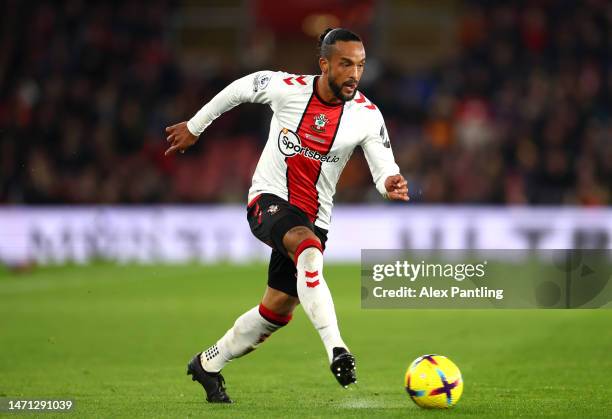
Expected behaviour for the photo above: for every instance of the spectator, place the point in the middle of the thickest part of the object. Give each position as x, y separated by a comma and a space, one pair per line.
521, 115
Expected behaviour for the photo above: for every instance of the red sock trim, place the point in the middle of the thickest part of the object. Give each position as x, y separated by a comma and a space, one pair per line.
272, 317
305, 244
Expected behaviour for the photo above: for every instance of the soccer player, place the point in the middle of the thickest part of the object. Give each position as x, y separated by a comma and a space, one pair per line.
317, 123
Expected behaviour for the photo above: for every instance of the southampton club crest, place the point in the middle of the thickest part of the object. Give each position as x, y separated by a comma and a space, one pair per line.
272, 209
319, 123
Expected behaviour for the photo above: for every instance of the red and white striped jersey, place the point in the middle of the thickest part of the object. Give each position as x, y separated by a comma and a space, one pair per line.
310, 140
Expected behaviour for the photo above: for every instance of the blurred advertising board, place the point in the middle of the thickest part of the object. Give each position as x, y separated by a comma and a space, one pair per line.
208, 234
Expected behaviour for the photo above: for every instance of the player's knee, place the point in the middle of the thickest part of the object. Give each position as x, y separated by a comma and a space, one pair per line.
298, 236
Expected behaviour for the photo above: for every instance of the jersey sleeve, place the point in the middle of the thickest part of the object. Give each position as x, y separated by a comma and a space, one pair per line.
377, 149
260, 87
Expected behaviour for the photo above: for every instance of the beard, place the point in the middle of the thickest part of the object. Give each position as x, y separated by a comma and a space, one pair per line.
337, 90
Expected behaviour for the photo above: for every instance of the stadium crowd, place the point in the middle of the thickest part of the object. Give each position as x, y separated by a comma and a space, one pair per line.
519, 114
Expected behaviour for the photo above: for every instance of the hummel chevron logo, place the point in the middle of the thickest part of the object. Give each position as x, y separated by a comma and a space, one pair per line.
300, 80
362, 99
312, 274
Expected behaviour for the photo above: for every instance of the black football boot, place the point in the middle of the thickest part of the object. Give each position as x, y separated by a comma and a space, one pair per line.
343, 367
213, 383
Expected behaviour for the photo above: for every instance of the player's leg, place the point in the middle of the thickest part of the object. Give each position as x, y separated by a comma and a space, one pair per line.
248, 332
279, 302
306, 249
288, 230
254, 326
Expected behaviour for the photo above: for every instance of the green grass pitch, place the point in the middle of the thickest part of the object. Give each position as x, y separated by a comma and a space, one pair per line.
116, 339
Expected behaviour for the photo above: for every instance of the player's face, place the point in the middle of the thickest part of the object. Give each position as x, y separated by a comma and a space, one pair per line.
345, 68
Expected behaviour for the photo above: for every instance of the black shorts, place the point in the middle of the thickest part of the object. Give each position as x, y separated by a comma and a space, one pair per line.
270, 218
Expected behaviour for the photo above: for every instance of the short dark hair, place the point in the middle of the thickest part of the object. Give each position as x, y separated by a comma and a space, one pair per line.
330, 36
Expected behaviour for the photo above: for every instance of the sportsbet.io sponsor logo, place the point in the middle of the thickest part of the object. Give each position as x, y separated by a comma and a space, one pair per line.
289, 144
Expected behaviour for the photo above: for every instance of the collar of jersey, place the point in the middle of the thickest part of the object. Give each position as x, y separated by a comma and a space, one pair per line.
316, 93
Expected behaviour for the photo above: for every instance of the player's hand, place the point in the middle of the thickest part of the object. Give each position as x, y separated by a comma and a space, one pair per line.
179, 137
397, 188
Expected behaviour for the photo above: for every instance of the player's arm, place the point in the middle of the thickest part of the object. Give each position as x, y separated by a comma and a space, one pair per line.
258, 87
385, 172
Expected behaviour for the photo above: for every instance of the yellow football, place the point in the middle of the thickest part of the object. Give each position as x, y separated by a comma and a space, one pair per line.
434, 381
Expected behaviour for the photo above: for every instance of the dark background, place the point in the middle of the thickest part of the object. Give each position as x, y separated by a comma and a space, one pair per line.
486, 102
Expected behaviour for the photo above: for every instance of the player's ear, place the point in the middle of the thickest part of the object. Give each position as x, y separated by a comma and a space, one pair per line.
323, 65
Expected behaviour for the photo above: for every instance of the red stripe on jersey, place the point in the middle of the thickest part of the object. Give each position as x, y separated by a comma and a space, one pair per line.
303, 172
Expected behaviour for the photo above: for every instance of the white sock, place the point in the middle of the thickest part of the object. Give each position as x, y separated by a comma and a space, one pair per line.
316, 299
249, 330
